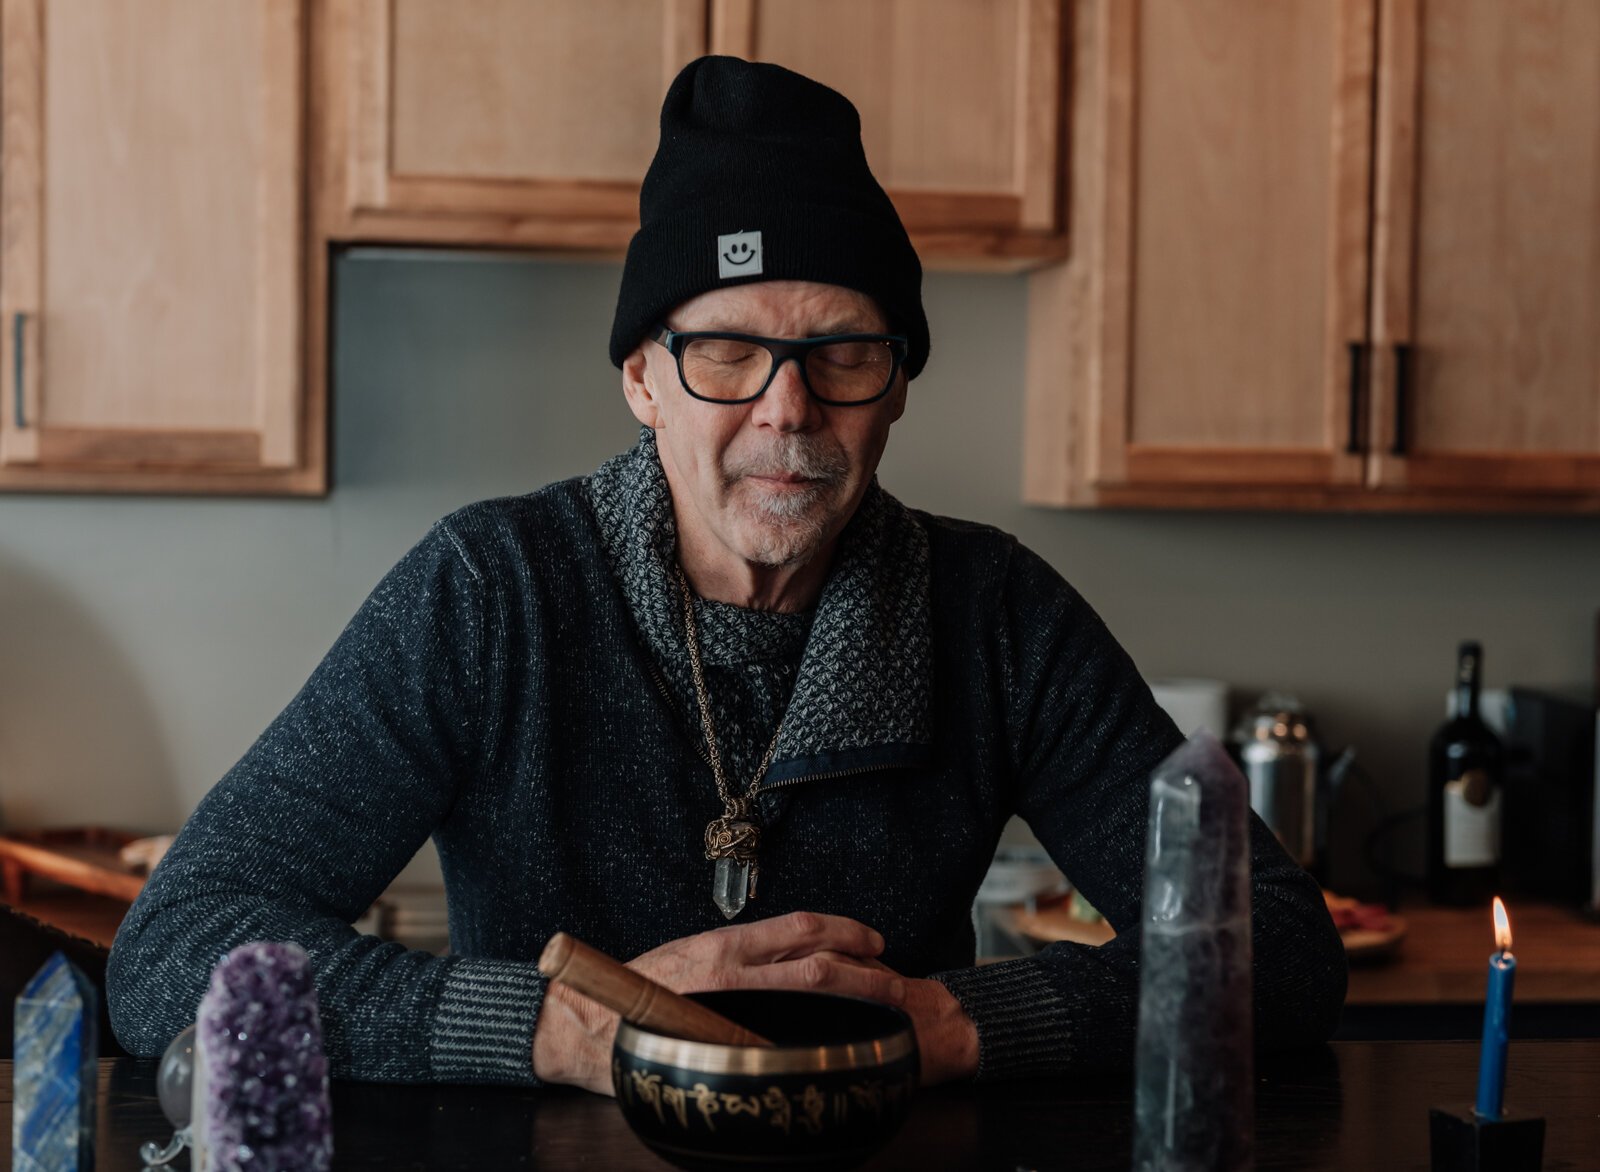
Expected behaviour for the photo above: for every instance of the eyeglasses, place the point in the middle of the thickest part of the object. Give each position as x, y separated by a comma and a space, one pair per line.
848, 370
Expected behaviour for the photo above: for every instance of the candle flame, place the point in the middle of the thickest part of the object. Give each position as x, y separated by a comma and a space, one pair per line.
1502, 926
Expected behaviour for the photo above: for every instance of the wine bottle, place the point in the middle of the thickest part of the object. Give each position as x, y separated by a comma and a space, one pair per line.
1466, 783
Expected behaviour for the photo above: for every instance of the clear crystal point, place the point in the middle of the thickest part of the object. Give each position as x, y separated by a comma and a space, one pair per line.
730, 888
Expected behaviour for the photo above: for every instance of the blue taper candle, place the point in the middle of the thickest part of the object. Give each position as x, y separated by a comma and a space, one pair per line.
1496, 1019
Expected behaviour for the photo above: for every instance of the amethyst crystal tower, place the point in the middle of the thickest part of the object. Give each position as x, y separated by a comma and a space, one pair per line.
1193, 1094
261, 1080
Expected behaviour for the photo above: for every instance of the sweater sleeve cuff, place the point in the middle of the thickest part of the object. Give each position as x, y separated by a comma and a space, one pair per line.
484, 1021
1024, 1024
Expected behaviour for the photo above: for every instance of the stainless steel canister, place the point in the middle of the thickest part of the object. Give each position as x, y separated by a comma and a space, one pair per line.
1280, 756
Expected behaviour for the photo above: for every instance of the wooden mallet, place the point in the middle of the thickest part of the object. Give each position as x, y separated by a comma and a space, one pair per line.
636, 997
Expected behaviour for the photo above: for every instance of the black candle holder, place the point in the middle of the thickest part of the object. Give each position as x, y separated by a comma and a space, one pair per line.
1464, 1141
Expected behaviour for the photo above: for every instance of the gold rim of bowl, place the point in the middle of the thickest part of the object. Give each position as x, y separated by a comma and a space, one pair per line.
711, 1058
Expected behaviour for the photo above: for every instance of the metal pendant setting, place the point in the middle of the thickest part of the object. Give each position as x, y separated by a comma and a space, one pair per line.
733, 841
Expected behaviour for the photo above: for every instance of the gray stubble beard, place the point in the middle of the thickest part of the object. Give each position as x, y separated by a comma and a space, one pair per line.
799, 518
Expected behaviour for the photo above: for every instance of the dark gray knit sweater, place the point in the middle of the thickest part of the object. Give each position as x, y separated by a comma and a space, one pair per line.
512, 689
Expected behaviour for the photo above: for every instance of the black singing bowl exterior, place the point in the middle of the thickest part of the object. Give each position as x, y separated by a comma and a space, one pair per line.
837, 1085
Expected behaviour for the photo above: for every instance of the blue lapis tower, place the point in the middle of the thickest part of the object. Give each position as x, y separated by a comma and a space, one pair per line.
54, 1079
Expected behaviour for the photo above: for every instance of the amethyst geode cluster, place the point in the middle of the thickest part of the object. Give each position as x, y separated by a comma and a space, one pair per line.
265, 1103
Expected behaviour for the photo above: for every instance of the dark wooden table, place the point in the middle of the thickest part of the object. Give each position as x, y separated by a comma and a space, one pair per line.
1352, 1105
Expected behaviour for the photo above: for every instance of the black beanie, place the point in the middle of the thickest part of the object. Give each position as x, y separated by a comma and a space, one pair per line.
760, 176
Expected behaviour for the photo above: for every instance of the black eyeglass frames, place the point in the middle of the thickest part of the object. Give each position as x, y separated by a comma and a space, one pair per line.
848, 370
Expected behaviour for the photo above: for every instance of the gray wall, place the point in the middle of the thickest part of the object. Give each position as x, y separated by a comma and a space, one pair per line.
145, 642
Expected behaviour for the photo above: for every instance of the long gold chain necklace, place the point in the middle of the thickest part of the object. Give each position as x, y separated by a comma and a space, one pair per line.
734, 839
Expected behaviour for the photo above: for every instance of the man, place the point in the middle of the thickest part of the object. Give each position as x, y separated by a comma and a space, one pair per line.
725, 677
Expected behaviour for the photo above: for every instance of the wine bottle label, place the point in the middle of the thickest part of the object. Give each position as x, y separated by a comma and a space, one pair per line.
1471, 821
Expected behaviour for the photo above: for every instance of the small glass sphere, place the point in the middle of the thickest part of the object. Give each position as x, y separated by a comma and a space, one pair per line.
175, 1079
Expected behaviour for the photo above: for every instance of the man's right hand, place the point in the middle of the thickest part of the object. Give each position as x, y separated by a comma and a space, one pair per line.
802, 950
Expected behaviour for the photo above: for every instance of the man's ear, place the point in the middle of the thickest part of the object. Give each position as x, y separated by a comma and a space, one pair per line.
897, 397
637, 389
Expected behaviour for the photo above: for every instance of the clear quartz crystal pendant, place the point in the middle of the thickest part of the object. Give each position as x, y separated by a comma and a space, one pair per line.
732, 841
730, 887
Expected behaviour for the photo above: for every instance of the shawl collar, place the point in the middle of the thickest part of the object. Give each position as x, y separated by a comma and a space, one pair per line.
862, 695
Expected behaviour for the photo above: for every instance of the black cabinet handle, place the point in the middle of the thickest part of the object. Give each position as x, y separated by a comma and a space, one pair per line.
19, 322
1352, 443
1402, 393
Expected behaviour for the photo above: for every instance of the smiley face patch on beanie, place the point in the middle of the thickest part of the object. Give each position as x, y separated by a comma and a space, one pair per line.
738, 254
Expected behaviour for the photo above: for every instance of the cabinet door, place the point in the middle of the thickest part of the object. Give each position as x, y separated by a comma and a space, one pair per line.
151, 291
962, 106
1231, 276
513, 122
1487, 298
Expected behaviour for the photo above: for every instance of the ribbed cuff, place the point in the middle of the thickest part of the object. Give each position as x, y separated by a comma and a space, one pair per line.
1024, 1025
483, 1025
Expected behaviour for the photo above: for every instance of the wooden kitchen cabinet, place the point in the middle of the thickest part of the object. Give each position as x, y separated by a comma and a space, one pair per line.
1232, 166
1340, 254
151, 279
962, 107
1486, 312
511, 124
532, 125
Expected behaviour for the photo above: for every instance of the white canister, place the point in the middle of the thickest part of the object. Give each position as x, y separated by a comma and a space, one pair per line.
1194, 704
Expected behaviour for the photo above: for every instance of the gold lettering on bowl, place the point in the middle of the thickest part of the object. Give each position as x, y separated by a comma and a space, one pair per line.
678, 1099
869, 1094
778, 1103
812, 1105
741, 1104
706, 1100
649, 1088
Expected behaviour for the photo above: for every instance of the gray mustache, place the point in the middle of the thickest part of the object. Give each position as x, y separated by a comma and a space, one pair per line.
795, 455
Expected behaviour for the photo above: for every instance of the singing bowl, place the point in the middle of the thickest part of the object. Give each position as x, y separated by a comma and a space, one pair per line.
833, 1089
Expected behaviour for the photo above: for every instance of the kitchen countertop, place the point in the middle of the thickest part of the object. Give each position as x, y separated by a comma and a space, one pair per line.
1443, 959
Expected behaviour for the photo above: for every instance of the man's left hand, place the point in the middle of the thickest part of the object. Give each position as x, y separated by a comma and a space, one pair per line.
946, 1036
